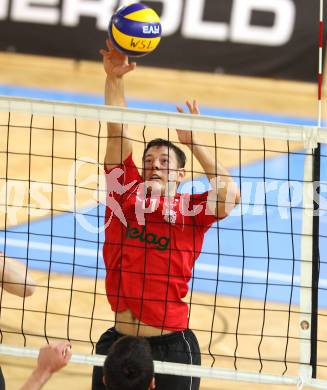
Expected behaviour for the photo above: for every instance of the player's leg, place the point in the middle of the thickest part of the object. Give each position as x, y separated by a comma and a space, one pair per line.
179, 347
102, 348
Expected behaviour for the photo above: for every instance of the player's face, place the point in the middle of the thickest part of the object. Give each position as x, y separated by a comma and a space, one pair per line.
160, 169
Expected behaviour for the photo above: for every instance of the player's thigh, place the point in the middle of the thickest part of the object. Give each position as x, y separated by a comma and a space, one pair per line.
181, 347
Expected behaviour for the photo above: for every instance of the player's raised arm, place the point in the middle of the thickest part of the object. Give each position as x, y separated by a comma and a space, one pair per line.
116, 65
13, 277
226, 193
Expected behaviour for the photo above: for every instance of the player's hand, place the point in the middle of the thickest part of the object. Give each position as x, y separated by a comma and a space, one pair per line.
115, 63
187, 137
53, 357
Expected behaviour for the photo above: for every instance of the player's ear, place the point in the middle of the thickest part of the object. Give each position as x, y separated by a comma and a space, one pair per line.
181, 174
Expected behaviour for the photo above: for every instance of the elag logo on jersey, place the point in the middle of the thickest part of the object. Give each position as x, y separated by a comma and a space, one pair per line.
139, 233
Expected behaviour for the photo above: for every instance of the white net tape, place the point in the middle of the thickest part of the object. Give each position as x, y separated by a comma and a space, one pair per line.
310, 135
182, 369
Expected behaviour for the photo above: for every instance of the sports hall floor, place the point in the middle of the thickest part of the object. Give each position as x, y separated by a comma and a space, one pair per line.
228, 96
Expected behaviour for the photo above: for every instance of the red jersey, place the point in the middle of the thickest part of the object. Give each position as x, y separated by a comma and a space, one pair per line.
150, 248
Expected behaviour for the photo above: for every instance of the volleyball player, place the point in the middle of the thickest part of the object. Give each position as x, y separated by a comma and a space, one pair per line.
15, 280
152, 238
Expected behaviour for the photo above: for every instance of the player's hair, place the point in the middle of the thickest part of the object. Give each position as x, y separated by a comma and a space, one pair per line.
129, 364
158, 142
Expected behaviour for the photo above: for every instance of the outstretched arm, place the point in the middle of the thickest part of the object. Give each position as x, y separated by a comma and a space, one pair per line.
13, 277
227, 194
52, 358
116, 65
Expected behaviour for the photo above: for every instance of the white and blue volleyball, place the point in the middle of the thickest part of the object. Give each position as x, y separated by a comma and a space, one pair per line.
135, 30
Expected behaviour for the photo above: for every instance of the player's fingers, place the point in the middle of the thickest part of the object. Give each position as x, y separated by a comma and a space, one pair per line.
67, 353
196, 107
65, 348
189, 105
180, 109
109, 44
129, 67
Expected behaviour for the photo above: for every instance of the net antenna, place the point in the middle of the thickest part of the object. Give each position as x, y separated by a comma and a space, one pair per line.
320, 60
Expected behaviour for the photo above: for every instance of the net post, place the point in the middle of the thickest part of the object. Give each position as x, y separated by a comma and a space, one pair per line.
305, 368
315, 206
315, 259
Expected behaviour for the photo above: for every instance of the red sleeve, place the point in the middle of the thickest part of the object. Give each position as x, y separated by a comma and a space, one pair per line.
204, 218
122, 179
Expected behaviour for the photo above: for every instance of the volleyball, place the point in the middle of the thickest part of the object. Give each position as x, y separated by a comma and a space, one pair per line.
135, 30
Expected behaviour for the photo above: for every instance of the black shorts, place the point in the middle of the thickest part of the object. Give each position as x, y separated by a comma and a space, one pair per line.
178, 347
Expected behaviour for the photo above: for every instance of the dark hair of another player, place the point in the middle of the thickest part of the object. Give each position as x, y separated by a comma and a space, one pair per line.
129, 365
158, 142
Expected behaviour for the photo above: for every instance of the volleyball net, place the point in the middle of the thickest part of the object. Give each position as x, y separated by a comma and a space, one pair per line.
258, 289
